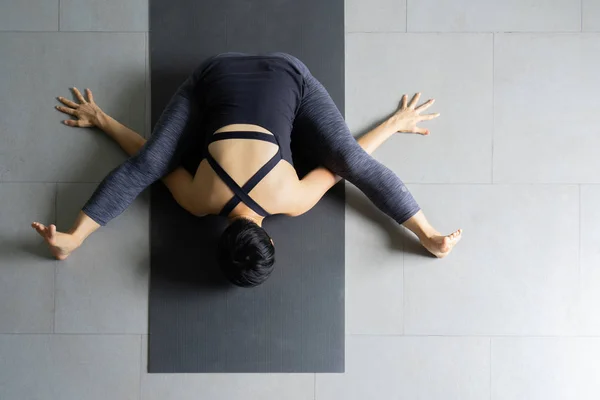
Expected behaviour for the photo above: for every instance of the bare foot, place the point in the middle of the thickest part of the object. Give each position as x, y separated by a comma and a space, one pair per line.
440, 246
61, 244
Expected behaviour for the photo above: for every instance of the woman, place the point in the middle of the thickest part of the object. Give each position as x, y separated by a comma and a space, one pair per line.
247, 106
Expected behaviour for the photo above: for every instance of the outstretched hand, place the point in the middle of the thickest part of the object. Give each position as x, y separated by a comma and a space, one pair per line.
87, 112
409, 115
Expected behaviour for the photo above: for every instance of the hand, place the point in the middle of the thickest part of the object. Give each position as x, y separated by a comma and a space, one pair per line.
87, 112
407, 116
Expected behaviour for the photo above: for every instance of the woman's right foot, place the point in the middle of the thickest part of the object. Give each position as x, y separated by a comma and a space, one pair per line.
61, 244
440, 246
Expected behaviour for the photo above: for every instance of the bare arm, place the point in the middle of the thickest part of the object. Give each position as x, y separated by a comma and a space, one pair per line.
179, 182
317, 182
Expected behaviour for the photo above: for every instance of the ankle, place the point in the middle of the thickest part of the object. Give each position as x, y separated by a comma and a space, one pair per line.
74, 237
429, 235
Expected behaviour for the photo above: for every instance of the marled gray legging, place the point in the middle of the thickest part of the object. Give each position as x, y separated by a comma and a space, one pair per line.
317, 117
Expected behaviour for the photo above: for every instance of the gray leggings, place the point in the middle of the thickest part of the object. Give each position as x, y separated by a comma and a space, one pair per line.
318, 121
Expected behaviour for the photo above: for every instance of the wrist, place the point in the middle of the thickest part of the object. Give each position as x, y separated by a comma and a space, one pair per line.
101, 120
393, 125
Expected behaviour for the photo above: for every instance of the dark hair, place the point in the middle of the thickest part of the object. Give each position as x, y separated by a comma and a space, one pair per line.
246, 254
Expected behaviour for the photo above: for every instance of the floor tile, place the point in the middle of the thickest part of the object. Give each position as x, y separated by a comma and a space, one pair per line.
103, 286
545, 368
492, 15
26, 269
590, 260
29, 15
396, 367
376, 16
545, 93
590, 15
224, 386
374, 268
515, 272
456, 70
104, 15
45, 65
69, 367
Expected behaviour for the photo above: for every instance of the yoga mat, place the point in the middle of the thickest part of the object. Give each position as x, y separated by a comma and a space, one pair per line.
198, 322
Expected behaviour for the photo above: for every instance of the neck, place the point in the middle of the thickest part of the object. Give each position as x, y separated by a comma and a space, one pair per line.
252, 217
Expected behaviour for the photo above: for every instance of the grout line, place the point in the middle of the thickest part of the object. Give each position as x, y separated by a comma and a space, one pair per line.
56, 184
491, 336
314, 386
493, 99
490, 385
581, 15
575, 32
58, 15
54, 297
406, 16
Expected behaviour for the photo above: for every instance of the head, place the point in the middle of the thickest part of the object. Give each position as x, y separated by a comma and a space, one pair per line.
246, 253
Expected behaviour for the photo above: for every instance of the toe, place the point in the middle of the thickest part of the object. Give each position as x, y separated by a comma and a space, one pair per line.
39, 228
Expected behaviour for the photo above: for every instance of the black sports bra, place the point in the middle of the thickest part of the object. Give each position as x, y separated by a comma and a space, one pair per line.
241, 193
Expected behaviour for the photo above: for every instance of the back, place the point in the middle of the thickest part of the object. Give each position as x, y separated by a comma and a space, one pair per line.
241, 159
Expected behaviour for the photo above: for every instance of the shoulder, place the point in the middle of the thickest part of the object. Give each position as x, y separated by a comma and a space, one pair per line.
285, 194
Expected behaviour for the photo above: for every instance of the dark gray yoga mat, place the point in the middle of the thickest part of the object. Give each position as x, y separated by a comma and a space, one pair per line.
295, 321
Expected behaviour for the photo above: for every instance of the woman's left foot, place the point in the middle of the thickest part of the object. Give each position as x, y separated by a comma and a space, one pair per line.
440, 246
61, 244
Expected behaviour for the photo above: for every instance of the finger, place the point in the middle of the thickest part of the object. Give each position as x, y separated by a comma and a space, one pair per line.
403, 102
414, 100
67, 102
79, 96
422, 131
425, 105
67, 110
427, 117
89, 95
71, 122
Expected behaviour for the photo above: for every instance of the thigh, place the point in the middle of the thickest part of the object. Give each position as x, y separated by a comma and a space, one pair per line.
322, 130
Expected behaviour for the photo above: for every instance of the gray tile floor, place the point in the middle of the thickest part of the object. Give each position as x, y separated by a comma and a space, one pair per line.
512, 314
